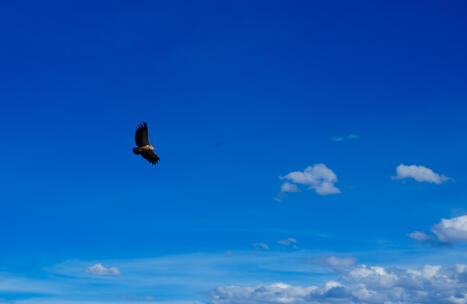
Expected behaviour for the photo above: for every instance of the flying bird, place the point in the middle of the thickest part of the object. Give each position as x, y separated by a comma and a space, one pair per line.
145, 149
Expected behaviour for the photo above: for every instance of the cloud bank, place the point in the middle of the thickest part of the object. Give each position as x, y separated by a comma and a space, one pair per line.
420, 174
318, 177
362, 284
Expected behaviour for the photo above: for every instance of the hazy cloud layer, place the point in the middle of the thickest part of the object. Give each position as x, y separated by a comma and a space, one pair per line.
361, 284
174, 276
420, 174
318, 177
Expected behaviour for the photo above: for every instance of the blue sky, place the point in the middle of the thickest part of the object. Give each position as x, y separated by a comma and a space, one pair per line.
240, 98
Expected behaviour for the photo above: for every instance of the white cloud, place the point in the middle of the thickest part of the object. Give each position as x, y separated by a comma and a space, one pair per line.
317, 177
447, 232
420, 174
361, 285
261, 246
451, 230
99, 269
288, 187
290, 242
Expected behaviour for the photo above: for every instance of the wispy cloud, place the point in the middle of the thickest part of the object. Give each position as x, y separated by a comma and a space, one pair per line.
290, 242
176, 275
333, 262
420, 174
422, 237
18, 284
263, 246
342, 138
99, 269
318, 177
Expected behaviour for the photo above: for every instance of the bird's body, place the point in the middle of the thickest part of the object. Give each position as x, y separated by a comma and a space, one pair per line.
144, 148
138, 150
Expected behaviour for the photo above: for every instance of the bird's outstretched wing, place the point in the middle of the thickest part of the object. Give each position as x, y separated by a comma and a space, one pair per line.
150, 156
141, 136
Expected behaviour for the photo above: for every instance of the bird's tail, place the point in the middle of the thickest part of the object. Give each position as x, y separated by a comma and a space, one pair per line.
136, 151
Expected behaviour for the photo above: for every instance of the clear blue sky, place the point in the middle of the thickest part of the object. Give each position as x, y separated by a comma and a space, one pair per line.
236, 95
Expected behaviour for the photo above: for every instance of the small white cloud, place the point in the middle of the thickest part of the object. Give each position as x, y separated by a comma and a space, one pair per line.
420, 236
451, 230
290, 242
263, 246
317, 177
288, 187
99, 269
420, 174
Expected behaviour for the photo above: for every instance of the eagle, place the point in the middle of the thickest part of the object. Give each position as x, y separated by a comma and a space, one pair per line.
145, 149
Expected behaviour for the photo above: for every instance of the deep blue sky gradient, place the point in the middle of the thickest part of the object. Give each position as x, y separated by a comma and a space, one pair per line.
236, 95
